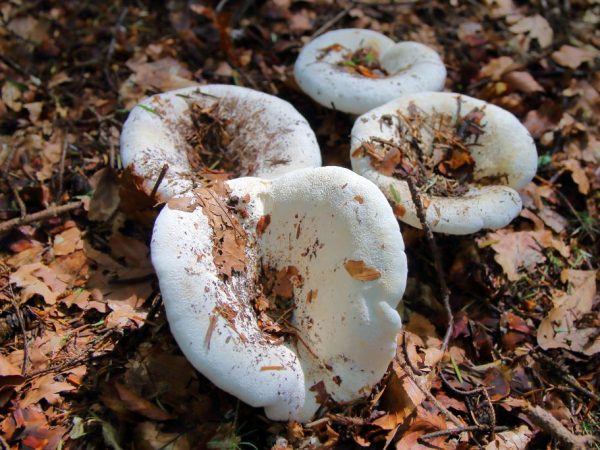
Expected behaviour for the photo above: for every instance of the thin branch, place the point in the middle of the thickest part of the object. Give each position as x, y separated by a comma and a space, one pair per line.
159, 180
459, 430
451, 417
61, 165
18, 199
566, 377
327, 25
40, 215
416, 198
111, 49
19, 314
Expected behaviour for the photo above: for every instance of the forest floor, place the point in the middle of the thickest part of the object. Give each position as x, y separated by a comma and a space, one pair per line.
86, 356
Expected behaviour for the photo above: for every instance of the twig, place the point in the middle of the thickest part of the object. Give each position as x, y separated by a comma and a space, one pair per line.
17, 68
551, 426
40, 215
568, 378
318, 422
18, 199
19, 314
415, 370
61, 165
111, 49
416, 198
327, 25
451, 417
161, 175
9, 159
459, 430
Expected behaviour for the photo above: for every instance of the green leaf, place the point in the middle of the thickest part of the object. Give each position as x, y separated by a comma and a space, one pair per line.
544, 160
150, 110
456, 369
395, 194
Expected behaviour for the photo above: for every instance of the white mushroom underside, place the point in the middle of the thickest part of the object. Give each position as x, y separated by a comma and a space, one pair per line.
268, 134
505, 150
413, 67
320, 219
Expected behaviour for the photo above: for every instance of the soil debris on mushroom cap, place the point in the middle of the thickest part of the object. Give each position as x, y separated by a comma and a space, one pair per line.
275, 303
432, 148
363, 61
208, 141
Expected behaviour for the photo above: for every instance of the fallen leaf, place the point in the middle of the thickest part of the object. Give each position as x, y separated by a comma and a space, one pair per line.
565, 326
360, 271
29, 28
140, 405
497, 67
536, 27
517, 439
11, 95
516, 250
572, 57
106, 198
522, 81
47, 388
67, 242
163, 75
578, 175
38, 279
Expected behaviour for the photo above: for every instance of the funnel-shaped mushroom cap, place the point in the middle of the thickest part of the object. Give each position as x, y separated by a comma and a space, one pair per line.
333, 247
354, 70
260, 135
474, 156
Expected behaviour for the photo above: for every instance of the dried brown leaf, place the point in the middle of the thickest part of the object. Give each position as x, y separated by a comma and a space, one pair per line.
572, 57
565, 326
360, 271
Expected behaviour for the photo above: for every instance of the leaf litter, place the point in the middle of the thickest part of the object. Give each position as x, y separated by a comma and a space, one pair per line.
86, 356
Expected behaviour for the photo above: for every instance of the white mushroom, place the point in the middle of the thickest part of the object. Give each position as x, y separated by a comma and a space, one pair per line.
330, 239
354, 70
474, 157
259, 134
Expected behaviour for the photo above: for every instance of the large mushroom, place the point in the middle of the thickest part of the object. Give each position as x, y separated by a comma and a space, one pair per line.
196, 129
354, 70
467, 158
281, 290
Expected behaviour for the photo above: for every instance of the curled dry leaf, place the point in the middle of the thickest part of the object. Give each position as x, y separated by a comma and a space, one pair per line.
360, 271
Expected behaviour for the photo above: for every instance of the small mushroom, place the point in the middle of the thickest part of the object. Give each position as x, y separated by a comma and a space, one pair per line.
283, 291
467, 158
354, 70
195, 129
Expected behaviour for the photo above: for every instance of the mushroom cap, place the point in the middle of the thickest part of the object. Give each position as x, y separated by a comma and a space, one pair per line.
268, 134
505, 151
413, 67
326, 223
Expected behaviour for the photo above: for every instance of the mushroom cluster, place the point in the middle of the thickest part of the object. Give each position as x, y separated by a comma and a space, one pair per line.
280, 278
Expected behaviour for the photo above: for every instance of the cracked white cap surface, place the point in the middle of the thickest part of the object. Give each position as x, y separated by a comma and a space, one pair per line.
320, 219
412, 67
505, 150
269, 135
